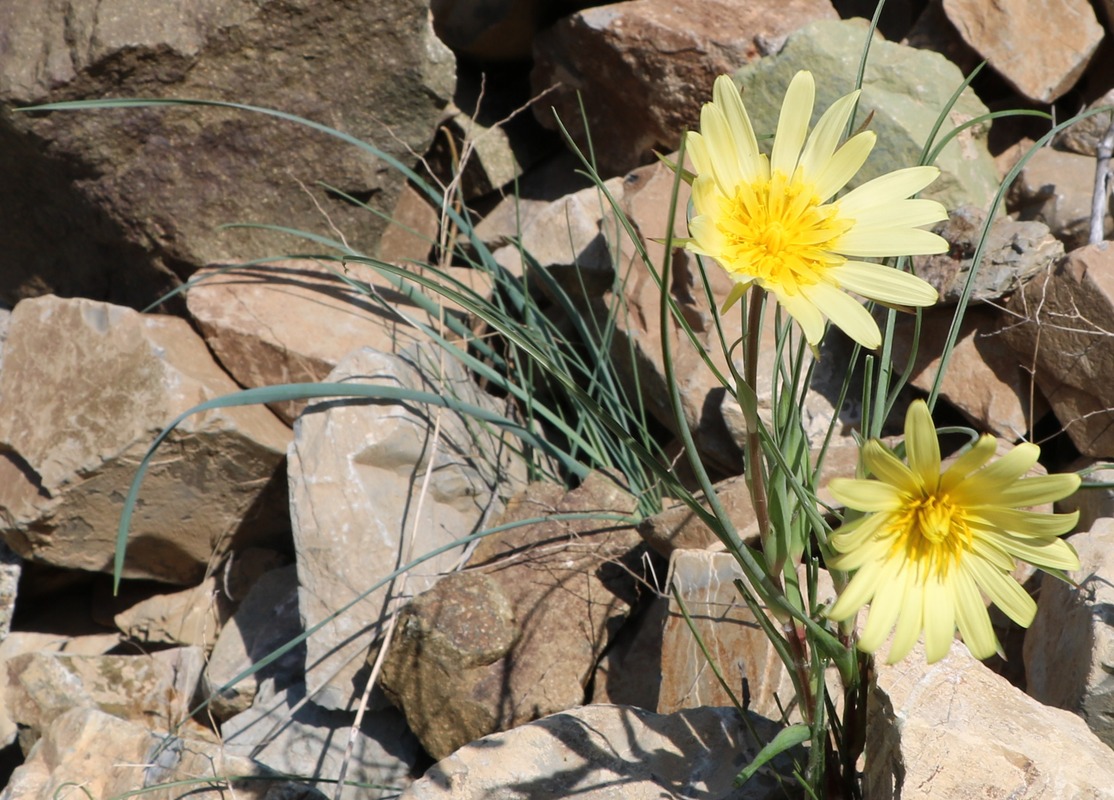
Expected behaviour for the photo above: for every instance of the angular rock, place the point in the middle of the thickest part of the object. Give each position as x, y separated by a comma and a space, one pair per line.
412, 231
293, 321
1069, 649
605, 752
149, 188
85, 388
192, 616
984, 378
154, 690
293, 737
109, 757
903, 88
1084, 136
266, 620
954, 730
1062, 329
516, 636
1040, 47
1055, 188
622, 677
678, 527
660, 58
356, 474
1014, 252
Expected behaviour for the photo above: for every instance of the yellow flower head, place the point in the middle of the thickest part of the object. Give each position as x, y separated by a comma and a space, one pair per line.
773, 222
931, 541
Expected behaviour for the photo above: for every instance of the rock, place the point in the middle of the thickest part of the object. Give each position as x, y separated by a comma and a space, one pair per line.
412, 232
1069, 649
86, 387
502, 30
933, 31
667, 51
954, 729
293, 737
266, 620
293, 321
736, 642
903, 88
1062, 330
1084, 136
1055, 188
984, 379
1015, 252
1092, 503
604, 752
87, 750
1041, 48
517, 636
149, 188
192, 616
11, 567
154, 690
678, 527
356, 475
622, 677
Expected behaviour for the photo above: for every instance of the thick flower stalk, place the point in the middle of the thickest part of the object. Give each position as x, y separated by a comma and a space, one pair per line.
772, 221
932, 543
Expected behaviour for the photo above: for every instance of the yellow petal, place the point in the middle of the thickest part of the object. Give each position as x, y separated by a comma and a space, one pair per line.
697, 150
1050, 554
737, 291
985, 486
921, 445
1004, 592
863, 495
900, 214
1035, 491
857, 593
792, 124
825, 137
1026, 523
726, 96
852, 536
722, 150
805, 312
869, 552
844, 164
885, 242
971, 616
939, 619
886, 284
981, 452
881, 462
886, 189
846, 313
884, 607
910, 621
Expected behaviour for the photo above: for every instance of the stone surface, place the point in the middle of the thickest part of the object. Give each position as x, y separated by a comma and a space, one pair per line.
192, 616
903, 87
664, 50
120, 204
1014, 252
266, 620
678, 527
293, 321
497, 30
954, 730
1040, 46
356, 475
86, 387
11, 567
412, 232
88, 753
984, 380
603, 752
516, 636
1055, 188
154, 690
1091, 503
1062, 328
1069, 648
1084, 136
293, 737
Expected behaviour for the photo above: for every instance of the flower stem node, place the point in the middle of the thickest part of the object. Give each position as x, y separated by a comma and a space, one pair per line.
774, 221
932, 542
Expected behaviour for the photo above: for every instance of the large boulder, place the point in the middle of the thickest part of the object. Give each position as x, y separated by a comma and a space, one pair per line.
118, 205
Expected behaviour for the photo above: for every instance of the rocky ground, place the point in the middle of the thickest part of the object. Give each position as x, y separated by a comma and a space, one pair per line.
549, 659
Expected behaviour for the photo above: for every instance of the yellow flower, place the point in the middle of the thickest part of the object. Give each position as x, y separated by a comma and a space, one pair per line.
773, 222
931, 541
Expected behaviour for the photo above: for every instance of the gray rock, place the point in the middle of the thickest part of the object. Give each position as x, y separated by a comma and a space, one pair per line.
658, 60
1055, 188
11, 567
293, 737
1014, 252
356, 473
148, 188
1069, 649
904, 88
1083, 137
86, 387
601, 752
516, 636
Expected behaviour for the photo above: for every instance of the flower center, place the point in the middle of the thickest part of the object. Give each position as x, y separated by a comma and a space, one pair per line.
776, 232
933, 532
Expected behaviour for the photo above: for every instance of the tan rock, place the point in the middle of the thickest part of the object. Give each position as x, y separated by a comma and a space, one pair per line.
293, 321
1062, 329
661, 49
1069, 649
954, 730
1084, 136
192, 616
1040, 46
356, 473
1092, 503
412, 231
516, 636
86, 387
88, 753
1055, 188
605, 752
154, 690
